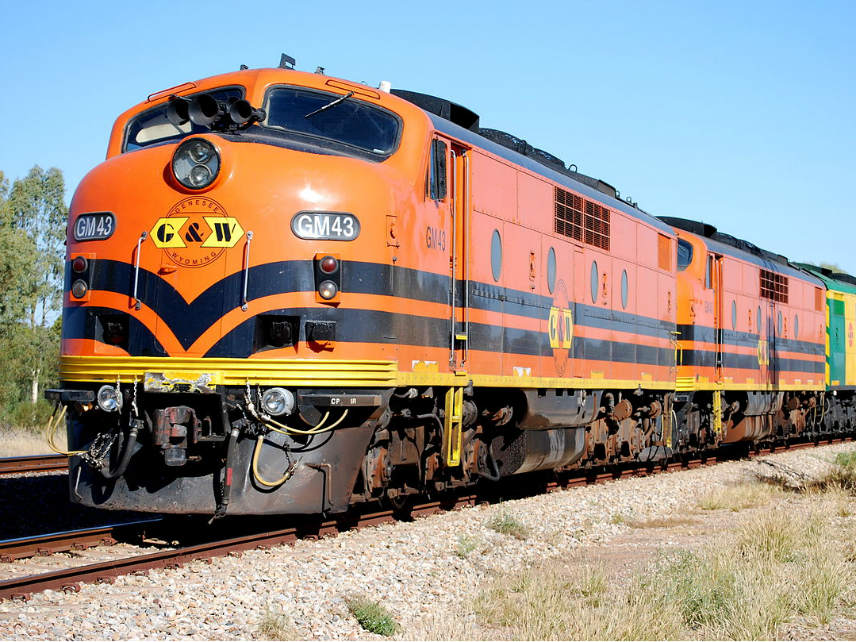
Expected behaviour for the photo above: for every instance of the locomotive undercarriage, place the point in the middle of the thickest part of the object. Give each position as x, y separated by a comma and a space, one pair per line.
183, 452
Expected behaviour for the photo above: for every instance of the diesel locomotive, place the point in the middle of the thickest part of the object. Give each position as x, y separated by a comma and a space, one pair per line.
287, 293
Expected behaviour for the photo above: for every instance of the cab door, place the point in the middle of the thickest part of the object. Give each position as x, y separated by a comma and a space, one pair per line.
460, 207
715, 271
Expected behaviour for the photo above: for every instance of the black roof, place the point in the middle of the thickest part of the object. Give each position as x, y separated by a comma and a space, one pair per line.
468, 119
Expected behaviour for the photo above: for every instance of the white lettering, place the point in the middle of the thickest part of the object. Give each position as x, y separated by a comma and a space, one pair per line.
304, 226
322, 226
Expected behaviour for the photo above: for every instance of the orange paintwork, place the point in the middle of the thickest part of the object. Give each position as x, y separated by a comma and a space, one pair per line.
739, 283
263, 186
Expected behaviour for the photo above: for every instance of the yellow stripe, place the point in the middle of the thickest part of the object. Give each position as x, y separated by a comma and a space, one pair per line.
294, 372
342, 373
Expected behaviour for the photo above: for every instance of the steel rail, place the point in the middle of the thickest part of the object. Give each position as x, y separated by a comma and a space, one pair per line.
32, 464
71, 579
73, 540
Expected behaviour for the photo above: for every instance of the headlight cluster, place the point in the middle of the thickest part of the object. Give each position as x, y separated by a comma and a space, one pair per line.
196, 163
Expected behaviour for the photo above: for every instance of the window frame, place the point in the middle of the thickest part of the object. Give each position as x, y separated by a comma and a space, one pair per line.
294, 134
161, 105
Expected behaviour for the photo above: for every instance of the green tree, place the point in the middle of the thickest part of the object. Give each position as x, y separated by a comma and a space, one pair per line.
36, 207
32, 233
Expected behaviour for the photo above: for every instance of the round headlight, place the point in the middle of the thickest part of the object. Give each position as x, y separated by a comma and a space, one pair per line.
109, 399
195, 163
277, 401
200, 151
78, 288
327, 290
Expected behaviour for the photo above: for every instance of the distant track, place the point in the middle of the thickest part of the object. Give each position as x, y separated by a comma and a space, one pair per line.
71, 579
32, 464
75, 540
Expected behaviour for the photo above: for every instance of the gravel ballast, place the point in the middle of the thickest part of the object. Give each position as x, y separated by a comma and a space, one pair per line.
420, 571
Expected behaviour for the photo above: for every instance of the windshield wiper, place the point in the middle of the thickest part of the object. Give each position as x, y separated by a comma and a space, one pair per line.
330, 104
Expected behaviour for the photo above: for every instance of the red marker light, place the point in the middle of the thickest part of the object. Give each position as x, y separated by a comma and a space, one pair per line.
79, 264
328, 265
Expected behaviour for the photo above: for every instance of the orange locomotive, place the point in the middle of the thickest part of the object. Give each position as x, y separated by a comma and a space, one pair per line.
287, 293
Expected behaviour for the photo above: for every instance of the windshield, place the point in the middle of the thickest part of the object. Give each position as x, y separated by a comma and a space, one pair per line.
333, 119
152, 126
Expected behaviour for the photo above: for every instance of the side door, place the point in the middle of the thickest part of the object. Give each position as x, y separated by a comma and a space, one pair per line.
452, 159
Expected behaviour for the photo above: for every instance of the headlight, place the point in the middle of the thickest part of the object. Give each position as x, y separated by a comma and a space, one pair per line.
195, 163
327, 290
78, 288
109, 399
277, 401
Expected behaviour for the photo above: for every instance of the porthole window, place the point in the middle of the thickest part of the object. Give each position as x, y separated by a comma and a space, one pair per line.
779, 324
624, 289
594, 281
734, 315
796, 326
551, 270
496, 255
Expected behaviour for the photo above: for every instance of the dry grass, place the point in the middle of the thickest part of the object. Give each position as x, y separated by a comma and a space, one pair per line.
276, 625
740, 496
16, 442
661, 522
776, 567
507, 524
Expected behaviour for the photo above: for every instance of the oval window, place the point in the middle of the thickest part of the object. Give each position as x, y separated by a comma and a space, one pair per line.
496, 255
796, 326
734, 315
594, 281
551, 270
779, 325
624, 289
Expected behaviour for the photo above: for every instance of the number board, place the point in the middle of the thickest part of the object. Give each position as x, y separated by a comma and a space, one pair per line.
325, 226
94, 227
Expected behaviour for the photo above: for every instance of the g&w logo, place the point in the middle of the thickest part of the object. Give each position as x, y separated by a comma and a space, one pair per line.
196, 232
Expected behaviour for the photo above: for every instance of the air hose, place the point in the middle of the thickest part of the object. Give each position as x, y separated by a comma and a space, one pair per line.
270, 484
231, 454
126, 454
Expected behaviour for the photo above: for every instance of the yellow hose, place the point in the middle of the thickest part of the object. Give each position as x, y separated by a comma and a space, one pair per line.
315, 430
256, 451
50, 433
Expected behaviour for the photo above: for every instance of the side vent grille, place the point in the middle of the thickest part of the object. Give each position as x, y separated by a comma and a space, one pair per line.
774, 286
581, 220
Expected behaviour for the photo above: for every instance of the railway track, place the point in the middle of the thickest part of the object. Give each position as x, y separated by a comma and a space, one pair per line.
71, 579
73, 540
32, 464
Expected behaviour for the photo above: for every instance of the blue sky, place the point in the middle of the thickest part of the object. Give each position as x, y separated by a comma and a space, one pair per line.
741, 114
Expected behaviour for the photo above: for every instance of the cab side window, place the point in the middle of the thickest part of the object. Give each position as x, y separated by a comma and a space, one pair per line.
437, 171
708, 272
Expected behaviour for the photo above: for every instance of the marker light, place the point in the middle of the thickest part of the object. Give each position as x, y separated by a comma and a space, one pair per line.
277, 401
196, 163
109, 399
79, 288
79, 264
327, 290
328, 264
